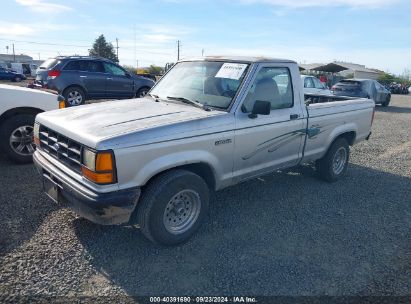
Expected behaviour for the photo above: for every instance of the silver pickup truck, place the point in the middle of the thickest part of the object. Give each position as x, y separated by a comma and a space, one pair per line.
209, 123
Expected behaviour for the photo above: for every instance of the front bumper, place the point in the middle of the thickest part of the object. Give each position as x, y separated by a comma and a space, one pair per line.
111, 208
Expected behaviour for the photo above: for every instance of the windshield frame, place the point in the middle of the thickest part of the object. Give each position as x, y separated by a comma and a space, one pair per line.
239, 89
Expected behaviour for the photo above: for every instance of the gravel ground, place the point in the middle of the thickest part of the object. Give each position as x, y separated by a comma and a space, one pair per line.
285, 234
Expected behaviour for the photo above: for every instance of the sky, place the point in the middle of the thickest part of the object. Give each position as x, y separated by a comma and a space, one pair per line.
376, 33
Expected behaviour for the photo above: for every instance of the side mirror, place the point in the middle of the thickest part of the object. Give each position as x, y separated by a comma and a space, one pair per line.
261, 107
128, 75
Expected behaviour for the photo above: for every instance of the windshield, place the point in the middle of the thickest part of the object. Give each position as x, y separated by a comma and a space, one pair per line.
209, 83
49, 63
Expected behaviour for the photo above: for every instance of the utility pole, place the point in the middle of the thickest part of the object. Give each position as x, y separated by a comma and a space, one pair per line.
178, 50
117, 48
202, 53
14, 55
7, 49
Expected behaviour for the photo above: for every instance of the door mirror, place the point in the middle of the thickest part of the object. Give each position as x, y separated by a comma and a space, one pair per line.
128, 75
261, 107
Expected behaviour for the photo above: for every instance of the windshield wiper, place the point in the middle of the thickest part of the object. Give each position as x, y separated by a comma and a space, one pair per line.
155, 97
189, 101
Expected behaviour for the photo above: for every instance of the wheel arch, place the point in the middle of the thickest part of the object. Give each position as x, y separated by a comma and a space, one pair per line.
349, 136
202, 169
73, 85
19, 111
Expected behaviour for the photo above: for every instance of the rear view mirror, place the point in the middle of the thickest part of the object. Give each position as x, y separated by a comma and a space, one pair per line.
261, 107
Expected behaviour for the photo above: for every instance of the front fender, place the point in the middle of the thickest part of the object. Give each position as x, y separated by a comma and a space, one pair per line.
147, 166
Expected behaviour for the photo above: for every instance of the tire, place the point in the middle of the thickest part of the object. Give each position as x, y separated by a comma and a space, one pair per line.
17, 79
387, 102
142, 92
74, 96
329, 167
16, 138
176, 189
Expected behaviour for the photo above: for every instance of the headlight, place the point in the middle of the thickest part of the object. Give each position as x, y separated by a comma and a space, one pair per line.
36, 134
89, 159
99, 166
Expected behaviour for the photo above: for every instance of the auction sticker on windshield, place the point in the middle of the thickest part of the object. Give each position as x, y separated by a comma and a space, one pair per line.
231, 70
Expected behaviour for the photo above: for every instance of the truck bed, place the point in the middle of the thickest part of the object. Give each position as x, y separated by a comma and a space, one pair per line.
330, 116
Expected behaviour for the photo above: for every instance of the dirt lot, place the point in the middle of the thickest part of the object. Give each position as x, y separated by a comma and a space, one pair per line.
285, 234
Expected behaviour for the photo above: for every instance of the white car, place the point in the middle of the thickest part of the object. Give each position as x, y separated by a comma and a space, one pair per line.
312, 85
18, 109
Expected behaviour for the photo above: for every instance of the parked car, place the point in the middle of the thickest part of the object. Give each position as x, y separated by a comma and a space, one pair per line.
365, 88
398, 88
82, 78
153, 163
312, 85
27, 69
6, 74
18, 108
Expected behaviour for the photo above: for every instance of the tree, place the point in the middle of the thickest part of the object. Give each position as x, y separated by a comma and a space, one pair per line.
104, 49
386, 78
155, 70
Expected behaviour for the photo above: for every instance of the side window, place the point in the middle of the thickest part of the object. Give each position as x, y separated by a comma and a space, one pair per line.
317, 83
72, 66
94, 66
113, 69
308, 83
273, 85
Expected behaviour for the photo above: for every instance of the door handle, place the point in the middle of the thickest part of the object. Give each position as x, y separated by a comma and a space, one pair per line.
109, 78
294, 116
83, 76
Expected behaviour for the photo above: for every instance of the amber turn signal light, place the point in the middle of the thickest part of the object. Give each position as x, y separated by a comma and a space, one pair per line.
104, 161
99, 178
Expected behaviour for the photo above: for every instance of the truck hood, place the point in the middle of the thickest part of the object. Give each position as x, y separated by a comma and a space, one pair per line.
92, 124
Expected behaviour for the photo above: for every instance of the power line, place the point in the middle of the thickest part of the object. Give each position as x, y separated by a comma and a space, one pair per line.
44, 43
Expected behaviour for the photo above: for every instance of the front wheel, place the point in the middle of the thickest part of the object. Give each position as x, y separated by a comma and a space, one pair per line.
335, 162
172, 207
387, 101
17, 138
142, 92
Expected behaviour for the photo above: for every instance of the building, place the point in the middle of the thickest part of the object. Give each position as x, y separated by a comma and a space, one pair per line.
8, 58
343, 69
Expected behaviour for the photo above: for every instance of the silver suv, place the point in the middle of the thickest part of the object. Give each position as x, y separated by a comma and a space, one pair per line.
81, 78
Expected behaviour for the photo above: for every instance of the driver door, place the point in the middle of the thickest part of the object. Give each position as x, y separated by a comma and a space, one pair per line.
273, 141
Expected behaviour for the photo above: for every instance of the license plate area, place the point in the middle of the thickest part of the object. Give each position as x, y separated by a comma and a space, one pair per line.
51, 187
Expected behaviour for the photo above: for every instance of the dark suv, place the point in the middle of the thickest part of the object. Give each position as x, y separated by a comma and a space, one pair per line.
82, 78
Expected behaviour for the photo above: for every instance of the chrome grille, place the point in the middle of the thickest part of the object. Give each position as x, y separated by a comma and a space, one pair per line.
61, 148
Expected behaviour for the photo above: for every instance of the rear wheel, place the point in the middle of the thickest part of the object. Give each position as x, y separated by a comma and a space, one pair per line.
74, 96
172, 207
17, 138
335, 162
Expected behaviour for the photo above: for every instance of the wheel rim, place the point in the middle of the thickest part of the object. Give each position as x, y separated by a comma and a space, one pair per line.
74, 98
21, 140
143, 93
339, 160
182, 211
